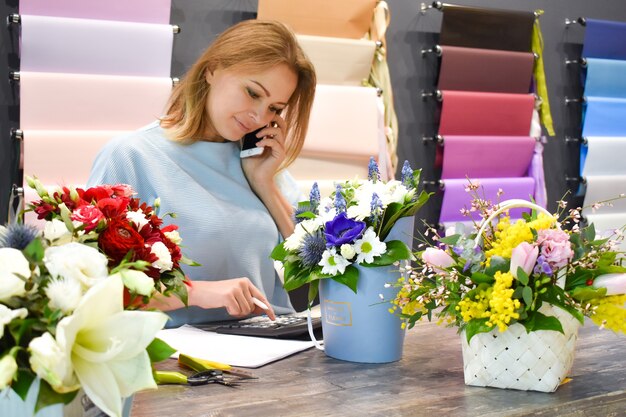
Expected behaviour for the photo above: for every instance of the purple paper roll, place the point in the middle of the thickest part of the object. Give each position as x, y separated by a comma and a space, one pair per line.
147, 11
486, 156
455, 198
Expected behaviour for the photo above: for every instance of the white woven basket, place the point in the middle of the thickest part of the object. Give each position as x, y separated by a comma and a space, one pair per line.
536, 361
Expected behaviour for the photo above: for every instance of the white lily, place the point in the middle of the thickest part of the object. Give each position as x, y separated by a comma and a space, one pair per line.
107, 345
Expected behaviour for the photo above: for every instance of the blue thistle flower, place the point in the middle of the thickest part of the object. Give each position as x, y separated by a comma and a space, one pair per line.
314, 196
407, 175
340, 202
18, 236
313, 246
373, 174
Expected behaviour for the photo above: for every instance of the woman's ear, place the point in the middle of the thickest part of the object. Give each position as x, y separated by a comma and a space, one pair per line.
208, 76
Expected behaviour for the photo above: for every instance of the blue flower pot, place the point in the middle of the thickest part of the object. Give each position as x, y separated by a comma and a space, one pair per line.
358, 327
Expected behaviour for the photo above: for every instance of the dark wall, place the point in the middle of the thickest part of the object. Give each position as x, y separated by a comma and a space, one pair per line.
409, 32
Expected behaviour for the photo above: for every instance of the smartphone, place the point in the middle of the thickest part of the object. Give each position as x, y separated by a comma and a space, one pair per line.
249, 147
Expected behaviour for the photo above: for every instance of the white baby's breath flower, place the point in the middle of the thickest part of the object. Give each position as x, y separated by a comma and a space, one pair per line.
78, 262
14, 268
174, 237
332, 263
7, 316
368, 247
52, 364
56, 232
64, 293
8, 368
164, 262
347, 251
138, 218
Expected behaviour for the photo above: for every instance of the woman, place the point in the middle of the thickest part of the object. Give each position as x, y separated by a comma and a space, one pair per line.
230, 211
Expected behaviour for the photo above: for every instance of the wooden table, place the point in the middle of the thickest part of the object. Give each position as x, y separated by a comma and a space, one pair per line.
428, 381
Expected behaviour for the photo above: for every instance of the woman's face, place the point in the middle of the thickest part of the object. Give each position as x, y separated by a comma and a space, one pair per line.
241, 102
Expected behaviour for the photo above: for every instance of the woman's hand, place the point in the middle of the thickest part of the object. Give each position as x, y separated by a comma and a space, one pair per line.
233, 294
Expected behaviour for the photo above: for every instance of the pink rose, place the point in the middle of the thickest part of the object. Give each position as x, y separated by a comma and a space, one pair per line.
90, 216
524, 255
555, 247
437, 259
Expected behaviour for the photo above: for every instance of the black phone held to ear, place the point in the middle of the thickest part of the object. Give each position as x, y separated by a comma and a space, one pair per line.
248, 147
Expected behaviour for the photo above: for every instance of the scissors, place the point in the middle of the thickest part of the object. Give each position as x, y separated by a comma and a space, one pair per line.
209, 377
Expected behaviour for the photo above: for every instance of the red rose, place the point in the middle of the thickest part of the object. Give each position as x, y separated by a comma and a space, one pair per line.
90, 216
118, 239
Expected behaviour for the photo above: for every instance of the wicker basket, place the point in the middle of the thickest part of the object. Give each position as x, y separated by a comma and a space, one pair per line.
536, 361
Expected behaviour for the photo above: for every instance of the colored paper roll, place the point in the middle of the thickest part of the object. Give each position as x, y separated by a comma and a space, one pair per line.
607, 224
472, 69
604, 39
603, 156
62, 157
86, 46
147, 11
486, 156
455, 198
339, 61
337, 133
486, 114
90, 102
606, 78
601, 188
604, 116
477, 27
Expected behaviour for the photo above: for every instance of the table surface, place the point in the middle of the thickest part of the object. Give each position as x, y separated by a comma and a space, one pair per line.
428, 380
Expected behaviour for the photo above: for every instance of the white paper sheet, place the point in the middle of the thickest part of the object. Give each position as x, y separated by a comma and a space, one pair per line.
241, 351
605, 156
601, 188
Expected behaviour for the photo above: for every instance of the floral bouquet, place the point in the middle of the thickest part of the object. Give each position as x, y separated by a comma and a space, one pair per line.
349, 228
62, 292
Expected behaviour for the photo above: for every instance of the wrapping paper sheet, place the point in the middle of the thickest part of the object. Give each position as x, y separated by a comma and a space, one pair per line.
343, 124
90, 102
603, 156
472, 69
606, 224
456, 198
486, 114
605, 78
487, 28
486, 156
73, 154
86, 46
604, 116
326, 172
339, 61
148, 11
604, 39
602, 188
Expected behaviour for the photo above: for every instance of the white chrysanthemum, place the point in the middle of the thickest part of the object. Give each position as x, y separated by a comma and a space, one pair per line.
362, 210
64, 293
368, 247
164, 261
56, 231
332, 263
305, 227
347, 251
138, 218
7, 316
76, 261
174, 237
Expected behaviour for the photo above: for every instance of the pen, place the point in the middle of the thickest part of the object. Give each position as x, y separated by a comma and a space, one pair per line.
260, 303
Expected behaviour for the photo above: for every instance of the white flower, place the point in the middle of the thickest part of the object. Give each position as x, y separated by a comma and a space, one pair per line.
138, 218
76, 261
164, 261
174, 237
347, 251
136, 281
64, 293
14, 269
8, 368
7, 316
362, 210
56, 231
368, 247
107, 345
52, 364
615, 283
333, 263
302, 229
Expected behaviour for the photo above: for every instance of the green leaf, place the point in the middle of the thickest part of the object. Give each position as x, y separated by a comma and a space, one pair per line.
279, 252
34, 251
22, 385
479, 278
306, 215
521, 276
527, 295
349, 278
187, 261
476, 326
396, 251
47, 396
590, 232
313, 291
497, 263
538, 321
450, 240
158, 350
587, 293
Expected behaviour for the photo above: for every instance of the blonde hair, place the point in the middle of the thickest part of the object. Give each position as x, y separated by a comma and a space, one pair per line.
252, 45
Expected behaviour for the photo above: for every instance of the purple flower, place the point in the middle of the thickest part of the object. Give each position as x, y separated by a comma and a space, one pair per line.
407, 175
342, 230
373, 174
340, 202
542, 267
314, 196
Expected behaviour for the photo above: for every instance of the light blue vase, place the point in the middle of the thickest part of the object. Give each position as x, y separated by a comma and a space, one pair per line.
358, 327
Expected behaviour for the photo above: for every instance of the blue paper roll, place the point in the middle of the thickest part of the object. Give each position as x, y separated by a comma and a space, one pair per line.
604, 39
606, 78
604, 116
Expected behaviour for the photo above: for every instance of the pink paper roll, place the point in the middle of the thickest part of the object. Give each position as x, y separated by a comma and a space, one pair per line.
148, 11
486, 156
90, 102
85, 46
62, 157
486, 114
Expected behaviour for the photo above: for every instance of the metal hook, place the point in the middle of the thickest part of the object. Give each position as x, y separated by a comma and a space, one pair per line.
568, 100
438, 139
570, 139
17, 134
434, 5
582, 62
434, 94
434, 184
435, 50
581, 21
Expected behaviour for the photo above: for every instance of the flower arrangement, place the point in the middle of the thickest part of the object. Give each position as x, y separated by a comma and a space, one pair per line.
349, 228
63, 292
504, 272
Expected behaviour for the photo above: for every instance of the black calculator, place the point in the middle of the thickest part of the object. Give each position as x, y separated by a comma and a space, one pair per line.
286, 326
